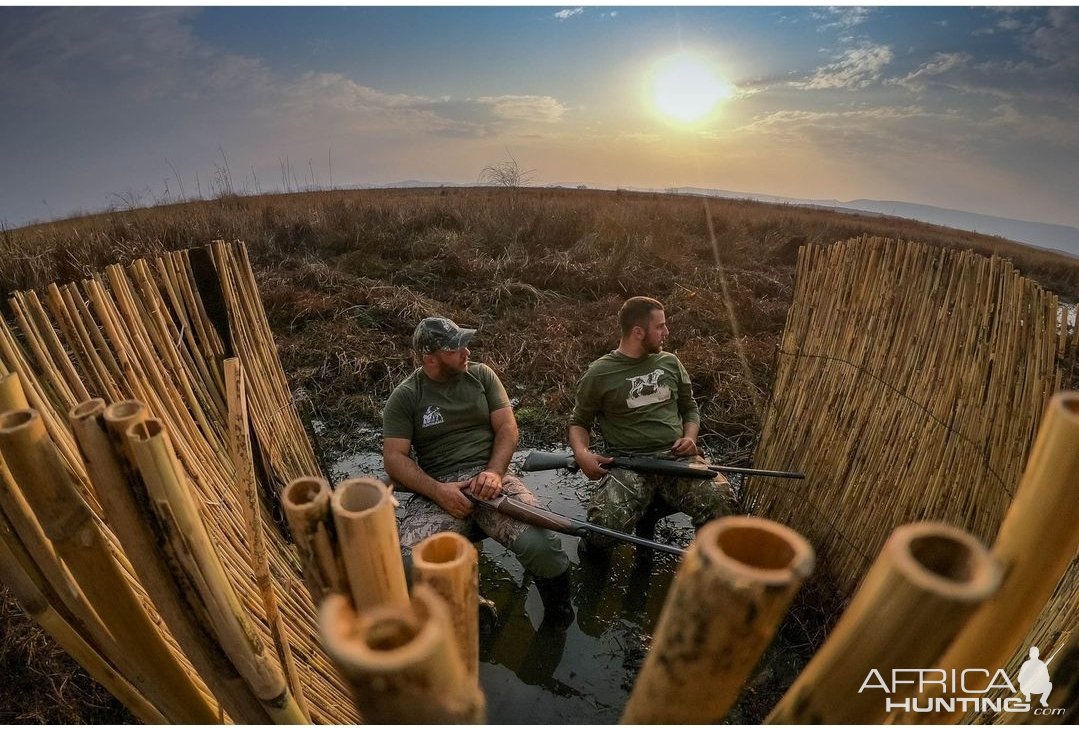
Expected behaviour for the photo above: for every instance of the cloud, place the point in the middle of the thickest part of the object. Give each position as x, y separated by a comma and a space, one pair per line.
857, 68
843, 18
924, 76
795, 119
1057, 41
568, 13
543, 109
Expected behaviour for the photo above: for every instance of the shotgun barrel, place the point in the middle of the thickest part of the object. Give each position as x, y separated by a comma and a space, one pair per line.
541, 461
545, 519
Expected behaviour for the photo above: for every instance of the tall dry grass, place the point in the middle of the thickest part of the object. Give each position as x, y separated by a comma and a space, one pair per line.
346, 274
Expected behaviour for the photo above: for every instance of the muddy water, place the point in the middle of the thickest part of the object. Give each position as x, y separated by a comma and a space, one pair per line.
581, 674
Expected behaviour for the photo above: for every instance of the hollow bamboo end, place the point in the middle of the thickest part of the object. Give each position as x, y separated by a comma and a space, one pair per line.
757, 549
356, 496
125, 411
306, 492
386, 638
86, 409
1068, 403
445, 550
145, 430
17, 421
945, 560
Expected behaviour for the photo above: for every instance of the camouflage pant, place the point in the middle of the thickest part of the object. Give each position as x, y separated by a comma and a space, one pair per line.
539, 550
622, 497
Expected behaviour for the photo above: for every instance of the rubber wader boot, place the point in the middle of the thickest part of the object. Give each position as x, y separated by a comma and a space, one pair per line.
555, 594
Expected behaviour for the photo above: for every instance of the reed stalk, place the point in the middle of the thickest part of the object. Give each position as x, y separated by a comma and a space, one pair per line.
922, 587
401, 663
1037, 541
449, 564
730, 593
37, 468
363, 513
240, 448
192, 549
126, 505
306, 502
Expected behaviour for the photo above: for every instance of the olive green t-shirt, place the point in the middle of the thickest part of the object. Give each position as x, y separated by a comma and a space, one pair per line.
449, 423
640, 403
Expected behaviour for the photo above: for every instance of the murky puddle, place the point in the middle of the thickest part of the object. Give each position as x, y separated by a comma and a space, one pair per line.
584, 673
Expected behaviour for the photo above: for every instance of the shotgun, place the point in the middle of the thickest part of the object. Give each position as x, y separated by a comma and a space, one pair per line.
540, 461
545, 519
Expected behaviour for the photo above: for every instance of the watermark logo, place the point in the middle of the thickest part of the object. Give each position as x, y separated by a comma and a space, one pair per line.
935, 690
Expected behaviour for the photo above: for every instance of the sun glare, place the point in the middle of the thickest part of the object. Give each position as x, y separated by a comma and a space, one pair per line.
684, 88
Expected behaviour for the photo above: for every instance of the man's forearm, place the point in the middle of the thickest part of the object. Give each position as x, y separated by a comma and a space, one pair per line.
578, 439
502, 451
690, 429
407, 474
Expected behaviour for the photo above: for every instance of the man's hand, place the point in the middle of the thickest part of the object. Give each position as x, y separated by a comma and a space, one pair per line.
684, 447
453, 502
486, 485
590, 464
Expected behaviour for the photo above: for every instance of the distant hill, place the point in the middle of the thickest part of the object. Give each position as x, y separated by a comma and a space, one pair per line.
1042, 235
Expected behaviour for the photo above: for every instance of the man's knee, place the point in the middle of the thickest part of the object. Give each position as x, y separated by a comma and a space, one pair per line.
541, 553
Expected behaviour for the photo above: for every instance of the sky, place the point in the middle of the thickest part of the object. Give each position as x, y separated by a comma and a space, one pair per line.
974, 109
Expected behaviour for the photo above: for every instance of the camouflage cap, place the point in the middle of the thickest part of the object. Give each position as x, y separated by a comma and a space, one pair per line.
438, 333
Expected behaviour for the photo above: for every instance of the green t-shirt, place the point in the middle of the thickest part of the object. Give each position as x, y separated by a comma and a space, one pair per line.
449, 423
640, 403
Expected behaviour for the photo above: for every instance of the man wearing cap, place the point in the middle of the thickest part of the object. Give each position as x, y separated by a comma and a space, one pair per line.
643, 400
457, 416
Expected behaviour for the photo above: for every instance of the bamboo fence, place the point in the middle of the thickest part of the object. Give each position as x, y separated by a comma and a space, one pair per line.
910, 383
151, 338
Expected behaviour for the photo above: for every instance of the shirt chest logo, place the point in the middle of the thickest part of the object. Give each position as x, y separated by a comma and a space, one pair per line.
646, 390
432, 416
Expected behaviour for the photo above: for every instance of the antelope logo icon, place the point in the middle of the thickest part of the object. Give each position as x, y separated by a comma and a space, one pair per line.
646, 390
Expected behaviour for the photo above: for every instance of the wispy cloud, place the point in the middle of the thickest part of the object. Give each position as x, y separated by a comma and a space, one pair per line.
841, 17
857, 68
927, 74
543, 109
568, 13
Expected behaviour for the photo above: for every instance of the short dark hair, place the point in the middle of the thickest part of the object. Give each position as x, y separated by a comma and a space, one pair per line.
637, 312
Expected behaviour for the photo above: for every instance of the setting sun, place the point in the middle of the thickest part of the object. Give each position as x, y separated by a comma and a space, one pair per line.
685, 88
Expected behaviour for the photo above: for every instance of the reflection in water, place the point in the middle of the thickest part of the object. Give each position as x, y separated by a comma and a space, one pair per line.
538, 674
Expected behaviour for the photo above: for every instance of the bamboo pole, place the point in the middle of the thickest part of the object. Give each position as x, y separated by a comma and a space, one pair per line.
923, 586
401, 663
1036, 542
29, 592
240, 449
68, 522
193, 550
306, 502
449, 563
731, 591
363, 513
126, 505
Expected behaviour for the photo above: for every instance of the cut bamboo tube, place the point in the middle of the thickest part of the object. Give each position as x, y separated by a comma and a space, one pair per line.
240, 449
731, 591
449, 563
28, 592
193, 550
306, 502
12, 396
923, 586
126, 505
43, 479
363, 513
401, 663
1036, 542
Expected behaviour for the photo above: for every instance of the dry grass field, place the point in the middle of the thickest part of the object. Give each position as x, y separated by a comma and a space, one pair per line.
345, 275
